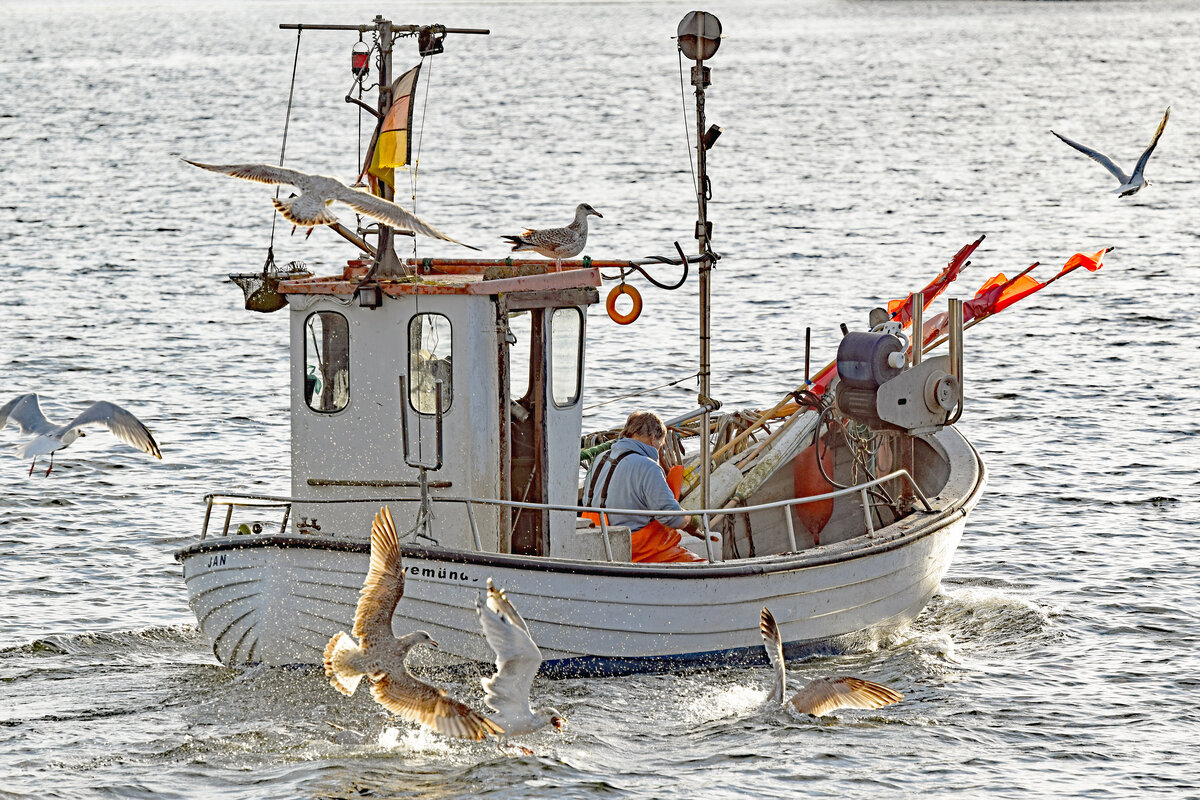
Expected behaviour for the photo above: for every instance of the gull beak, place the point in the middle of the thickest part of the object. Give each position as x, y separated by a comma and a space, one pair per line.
597, 213
432, 643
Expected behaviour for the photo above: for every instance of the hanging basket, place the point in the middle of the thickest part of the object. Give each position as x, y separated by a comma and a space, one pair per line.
262, 288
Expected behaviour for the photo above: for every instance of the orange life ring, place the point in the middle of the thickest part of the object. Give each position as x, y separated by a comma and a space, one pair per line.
634, 295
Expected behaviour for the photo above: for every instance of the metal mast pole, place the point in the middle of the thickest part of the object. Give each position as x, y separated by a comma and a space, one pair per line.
703, 234
699, 36
389, 265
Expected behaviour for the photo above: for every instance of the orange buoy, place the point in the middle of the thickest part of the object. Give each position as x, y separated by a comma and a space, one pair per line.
634, 295
808, 481
675, 480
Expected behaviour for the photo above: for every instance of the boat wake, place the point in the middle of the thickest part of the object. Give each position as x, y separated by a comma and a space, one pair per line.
147, 643
973, 620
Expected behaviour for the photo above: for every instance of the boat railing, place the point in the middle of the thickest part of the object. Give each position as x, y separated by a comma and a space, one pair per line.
232, 500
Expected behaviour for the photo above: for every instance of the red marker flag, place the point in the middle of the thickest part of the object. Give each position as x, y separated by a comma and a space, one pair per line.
902, 310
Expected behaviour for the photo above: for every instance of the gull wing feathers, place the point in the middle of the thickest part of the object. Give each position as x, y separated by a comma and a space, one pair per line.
407, 697
318, 191
26, 412
829, 694
517, 657
124, 425
1098, 157
259, 173
383, 586
1141, 164
773, 644
389, 213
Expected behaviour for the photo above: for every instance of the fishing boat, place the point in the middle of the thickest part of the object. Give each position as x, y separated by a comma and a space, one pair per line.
451, 390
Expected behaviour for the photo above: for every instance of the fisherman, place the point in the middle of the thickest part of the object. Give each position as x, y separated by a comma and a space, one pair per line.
630, 475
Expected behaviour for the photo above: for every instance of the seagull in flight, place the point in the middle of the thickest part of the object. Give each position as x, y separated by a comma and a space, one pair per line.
379, 655
1130, 184
517, 661
317, 192
558, 243
26, 413
822, 695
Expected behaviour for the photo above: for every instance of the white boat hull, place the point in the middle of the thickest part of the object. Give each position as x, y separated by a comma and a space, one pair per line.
277, 600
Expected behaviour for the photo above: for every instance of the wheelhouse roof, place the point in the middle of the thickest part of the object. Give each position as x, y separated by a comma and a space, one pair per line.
459, 276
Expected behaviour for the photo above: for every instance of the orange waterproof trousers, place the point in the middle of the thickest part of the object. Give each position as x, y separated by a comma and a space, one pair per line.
657, 543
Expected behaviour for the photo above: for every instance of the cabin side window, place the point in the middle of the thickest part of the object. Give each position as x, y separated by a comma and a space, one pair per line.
520, 323
429, 360
326, 362
566, 356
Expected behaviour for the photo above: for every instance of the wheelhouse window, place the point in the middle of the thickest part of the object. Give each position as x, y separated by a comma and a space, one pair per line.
520, 323
326, 362
566, 357
429, 360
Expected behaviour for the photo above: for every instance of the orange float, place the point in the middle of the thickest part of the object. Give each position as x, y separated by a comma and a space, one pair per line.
808, 481
611, 305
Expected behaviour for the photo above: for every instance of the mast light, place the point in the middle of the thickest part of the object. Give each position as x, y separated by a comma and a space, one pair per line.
699, 35
360, 59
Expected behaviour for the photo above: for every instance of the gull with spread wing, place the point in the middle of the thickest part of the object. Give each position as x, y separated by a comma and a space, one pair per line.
822, 695
317, 192
379, 654
517, 661
558, 243
1130, 184
25, 411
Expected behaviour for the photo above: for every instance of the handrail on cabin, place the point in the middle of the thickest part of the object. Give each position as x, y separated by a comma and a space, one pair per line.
231, 500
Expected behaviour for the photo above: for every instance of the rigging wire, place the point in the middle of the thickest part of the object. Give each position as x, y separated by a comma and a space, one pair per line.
283, 147
642, 391
686, 130
427, 72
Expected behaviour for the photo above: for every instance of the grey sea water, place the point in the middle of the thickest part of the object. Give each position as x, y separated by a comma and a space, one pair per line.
864, 143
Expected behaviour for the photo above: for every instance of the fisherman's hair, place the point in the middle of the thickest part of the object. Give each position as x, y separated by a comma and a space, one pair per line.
644, 423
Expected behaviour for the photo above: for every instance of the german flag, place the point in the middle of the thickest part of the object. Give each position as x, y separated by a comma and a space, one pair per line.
391, 145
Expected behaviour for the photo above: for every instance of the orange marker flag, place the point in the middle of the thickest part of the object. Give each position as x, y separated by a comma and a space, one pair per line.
1091, 262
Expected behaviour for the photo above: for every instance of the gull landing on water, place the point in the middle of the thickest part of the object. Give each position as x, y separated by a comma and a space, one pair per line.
1130, 184
822, 695
26, 412
318, 192
517, 661
558, 243
379, 654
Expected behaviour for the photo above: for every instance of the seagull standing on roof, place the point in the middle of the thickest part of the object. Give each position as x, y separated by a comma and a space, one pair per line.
822, 695
317, 192
26, 412
1130, 184
558, 243
379, 654
517, 661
